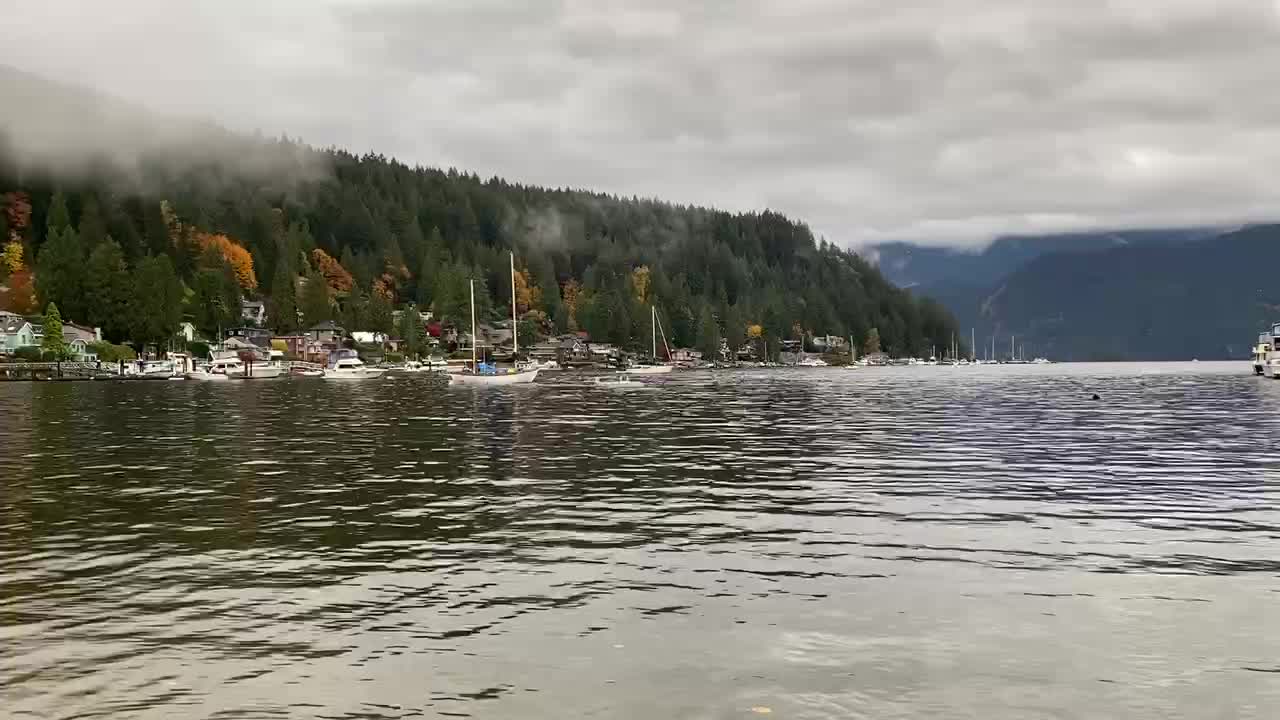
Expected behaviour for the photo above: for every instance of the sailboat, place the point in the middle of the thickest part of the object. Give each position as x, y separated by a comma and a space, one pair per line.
489, 374
654, 369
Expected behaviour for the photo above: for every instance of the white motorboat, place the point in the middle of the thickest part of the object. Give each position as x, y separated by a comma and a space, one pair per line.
351, 368
263, 371
218, 370
1268, 346
812, 362
412, 367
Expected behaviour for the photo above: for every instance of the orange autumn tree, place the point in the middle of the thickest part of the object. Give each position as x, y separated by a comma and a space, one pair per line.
335, 276
237, 257
572, 295
21, 297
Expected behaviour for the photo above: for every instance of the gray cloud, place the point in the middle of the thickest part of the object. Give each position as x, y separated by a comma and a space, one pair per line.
943, 122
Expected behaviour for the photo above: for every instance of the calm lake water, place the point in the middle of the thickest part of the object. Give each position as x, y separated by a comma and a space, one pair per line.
878, 543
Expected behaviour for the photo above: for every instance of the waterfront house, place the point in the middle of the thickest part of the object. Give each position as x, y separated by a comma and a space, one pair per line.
686, 355
293, 345
327, 333
830, 343
187, 331
253, 311
261, 337
16, 332
369, 338
78, 338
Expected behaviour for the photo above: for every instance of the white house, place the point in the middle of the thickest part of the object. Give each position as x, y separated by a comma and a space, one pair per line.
369, 338
16, 332
254, 311
187, 332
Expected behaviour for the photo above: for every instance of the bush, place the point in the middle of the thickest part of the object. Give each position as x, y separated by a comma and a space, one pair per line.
394, 357
198, 349
109, 353
29, 353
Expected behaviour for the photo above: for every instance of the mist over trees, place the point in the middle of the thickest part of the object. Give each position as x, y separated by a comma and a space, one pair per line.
376, 234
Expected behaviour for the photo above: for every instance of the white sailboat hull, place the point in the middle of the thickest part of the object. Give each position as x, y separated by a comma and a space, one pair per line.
514, 378
650, 370
361, 374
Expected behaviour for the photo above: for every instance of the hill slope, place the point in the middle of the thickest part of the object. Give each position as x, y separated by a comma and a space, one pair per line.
379, 232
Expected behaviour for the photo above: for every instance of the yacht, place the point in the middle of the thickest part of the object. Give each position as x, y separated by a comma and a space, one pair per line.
351, 368
812, 362
219, 370
1268, 347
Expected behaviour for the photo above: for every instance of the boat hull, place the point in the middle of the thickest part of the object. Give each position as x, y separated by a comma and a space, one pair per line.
363, 374
651, 370
516, 378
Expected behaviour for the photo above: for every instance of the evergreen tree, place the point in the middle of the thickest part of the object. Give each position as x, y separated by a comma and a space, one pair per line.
93, 228
708, 334
108, 286
53, 344
434, 258
316, 307
155, 229
355, 311
735, 330
380, 317
60, 272
59, 218
156, 302
217, 294
872, 344
282, 308
410, 332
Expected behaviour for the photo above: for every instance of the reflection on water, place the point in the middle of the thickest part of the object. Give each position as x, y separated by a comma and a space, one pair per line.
880, 543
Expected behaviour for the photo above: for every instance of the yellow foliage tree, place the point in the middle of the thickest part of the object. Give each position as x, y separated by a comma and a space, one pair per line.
12, 257
237, 257
640, 283
572, 295
528, 295
755, 331
335, 276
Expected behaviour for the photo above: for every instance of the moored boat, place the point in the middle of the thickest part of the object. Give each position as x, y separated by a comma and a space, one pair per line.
618, 381
351, 367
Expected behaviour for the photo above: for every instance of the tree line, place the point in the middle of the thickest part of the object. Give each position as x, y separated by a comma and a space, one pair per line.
376, 234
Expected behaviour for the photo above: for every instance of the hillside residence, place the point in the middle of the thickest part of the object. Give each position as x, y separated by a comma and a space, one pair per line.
187, 332
369, 338
686, 355
830, 343
254, 311
17, 332
293, 345
327, 333
260, 337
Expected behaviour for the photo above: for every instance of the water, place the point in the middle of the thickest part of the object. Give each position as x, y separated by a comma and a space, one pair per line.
878, 543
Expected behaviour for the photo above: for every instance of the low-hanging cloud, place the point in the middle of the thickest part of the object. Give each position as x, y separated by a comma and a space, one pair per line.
942, 122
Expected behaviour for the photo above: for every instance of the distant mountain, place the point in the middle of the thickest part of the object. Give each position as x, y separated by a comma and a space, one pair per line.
929, 267
1205, 298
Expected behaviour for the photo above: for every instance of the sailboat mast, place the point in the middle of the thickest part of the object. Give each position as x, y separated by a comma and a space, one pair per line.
474, 366
653, 326
1013, 355
973, 344
515, 324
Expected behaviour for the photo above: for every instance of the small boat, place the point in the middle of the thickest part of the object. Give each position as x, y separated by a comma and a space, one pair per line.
812, 362
351, 368
1041, 361
1267, 347
619, 381
536, 365
485, 374
215, 371
263, 371
412, 367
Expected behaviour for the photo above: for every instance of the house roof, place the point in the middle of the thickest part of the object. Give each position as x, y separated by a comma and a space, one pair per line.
12, 324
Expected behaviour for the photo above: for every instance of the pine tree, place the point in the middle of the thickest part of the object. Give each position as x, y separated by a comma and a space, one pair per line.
410, 332
708, 334
155, 228
355, 311
872, 345
217, 294
53, 344
156, 307
316, 307
282, 308
60, 272
380, 318
434, 258
93, 228
108, 286
59, 218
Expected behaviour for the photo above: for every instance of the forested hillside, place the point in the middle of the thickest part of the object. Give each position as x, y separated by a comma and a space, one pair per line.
345, 237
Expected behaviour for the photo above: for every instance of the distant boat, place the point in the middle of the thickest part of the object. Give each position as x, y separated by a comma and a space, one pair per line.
352, 368
1268, 346
812, 362
483, 374
619, 381
1041, 361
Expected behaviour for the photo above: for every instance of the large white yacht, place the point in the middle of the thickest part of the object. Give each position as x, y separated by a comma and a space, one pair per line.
1267, 352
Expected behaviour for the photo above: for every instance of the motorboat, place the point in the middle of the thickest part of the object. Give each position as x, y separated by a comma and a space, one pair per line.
218, 370
812, 362
351, 368
538, 365
1268, 347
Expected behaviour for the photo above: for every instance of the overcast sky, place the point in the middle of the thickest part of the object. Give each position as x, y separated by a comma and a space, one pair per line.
941, 122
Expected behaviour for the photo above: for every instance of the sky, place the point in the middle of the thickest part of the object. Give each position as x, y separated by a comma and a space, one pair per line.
943, 123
